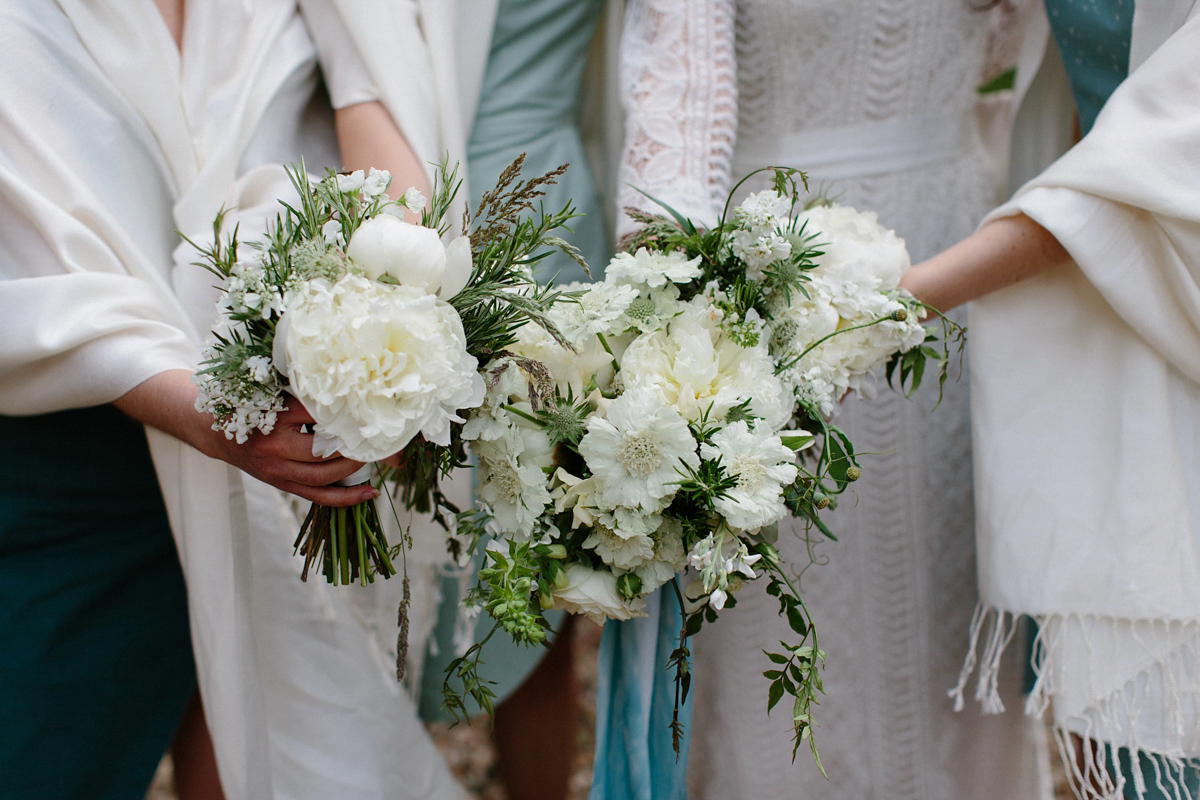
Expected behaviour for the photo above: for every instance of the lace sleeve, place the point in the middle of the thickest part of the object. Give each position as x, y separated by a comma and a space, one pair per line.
678, 87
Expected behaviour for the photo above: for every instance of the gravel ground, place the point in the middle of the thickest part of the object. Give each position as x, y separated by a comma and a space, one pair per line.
469, 752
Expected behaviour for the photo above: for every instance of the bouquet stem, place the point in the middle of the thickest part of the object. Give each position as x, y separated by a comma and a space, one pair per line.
347, 544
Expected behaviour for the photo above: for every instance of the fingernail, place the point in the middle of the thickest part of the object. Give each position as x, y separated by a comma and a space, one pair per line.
373, 494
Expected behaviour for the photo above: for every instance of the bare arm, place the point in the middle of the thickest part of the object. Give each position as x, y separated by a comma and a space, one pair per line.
368, 137
283, 459
996, 256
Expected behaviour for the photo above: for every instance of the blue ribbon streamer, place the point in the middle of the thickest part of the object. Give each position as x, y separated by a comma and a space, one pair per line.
635, 696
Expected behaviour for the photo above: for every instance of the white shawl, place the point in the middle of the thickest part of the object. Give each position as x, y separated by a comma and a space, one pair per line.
1086, 414
110, 141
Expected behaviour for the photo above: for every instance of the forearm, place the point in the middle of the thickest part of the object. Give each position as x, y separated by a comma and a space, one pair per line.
1001, 253
368, 137
167, 402
282, 458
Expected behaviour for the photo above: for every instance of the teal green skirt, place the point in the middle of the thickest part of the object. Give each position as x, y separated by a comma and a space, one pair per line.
95, 656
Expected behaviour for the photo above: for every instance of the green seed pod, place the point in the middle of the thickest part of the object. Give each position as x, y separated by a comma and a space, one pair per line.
853, 473
900, 314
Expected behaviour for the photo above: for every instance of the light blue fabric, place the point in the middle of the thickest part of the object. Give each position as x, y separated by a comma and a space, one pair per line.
531, 103
1093, 37
635, 696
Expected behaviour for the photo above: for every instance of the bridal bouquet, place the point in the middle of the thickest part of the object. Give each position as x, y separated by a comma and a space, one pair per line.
685, 415
377, 327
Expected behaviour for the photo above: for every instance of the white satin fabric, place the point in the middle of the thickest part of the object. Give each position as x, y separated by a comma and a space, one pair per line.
110, 141
1086, 396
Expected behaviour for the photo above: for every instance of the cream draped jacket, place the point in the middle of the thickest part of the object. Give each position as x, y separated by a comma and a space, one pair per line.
1086, 415
111, 140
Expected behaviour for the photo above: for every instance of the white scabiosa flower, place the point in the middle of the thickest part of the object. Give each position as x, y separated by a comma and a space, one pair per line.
511, 482
695, 367
651, 268
762, 466
594, 593
375, 365
669, 557
638, 452
596, 311
621, 547
650, 310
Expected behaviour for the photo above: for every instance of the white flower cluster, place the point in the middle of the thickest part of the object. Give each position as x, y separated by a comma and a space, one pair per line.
359, 332
854, 285
648, 369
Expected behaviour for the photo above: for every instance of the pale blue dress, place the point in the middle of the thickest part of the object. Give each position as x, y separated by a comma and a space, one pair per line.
530, 103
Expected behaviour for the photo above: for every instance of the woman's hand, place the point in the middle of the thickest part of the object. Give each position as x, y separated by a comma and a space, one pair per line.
996, 256
282, 458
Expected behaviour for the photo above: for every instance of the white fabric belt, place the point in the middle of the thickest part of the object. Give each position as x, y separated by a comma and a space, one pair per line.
862, 150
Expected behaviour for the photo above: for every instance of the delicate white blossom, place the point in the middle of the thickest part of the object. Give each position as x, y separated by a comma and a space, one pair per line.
639, 451
651, 268
762, 466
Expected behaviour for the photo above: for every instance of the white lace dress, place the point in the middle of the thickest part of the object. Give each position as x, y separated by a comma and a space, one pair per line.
876, 98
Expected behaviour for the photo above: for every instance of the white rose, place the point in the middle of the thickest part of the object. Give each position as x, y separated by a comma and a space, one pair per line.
375, 365
412, 254
594, 593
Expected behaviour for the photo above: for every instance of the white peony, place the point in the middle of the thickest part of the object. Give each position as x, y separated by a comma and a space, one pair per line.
651, 268
594, 593
411, 254
638, 452
693, 366
762, 466
375, 365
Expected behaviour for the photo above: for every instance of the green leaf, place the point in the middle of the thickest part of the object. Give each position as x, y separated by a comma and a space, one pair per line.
778, 658
776, 693
796, 620
1002, 82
